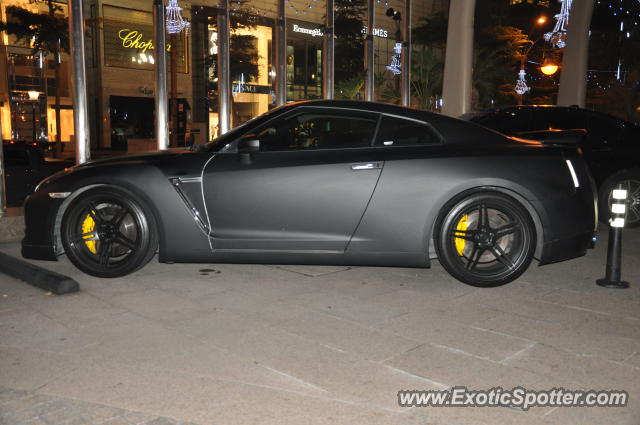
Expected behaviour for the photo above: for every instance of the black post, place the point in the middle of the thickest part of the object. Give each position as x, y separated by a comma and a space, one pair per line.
614, 248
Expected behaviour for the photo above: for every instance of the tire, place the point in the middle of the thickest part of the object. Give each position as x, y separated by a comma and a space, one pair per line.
107, 233
629, 180
485, 239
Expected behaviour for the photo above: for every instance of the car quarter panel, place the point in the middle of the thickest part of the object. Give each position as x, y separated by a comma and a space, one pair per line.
416, 183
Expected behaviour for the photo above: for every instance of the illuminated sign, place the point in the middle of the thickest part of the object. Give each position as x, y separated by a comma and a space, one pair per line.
377, 32
315, 32
132, 39
128, 42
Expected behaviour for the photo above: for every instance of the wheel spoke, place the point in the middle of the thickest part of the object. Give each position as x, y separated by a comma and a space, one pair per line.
502, 257
86, 237
95, 213
126, 242
117, 219
483, 216
463, 234
474, 258
635, 210
104, 253
507, 229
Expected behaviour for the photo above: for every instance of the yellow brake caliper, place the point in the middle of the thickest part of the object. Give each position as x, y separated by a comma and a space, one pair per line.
462, 227
88, 225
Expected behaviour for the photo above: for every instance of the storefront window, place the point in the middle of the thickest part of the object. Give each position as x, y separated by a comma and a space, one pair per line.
304, 60
350, 18
251, 66
128, 43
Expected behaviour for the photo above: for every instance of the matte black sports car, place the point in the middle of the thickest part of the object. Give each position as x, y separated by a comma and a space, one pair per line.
326, 182
611, 148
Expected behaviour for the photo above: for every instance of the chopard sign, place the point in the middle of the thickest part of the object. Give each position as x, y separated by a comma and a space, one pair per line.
132, 39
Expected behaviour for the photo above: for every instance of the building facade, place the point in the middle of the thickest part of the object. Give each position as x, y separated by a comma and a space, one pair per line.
120, 67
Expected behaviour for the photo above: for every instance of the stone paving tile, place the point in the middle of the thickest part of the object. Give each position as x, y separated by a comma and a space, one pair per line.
20, 408
578, 339
474, 341
589, 371
312, 271
368, 343
237, 344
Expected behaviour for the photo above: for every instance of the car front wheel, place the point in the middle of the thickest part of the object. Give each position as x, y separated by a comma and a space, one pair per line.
486, 239
107, 233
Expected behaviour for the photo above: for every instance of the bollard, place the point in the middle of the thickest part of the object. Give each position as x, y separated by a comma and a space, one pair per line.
616, 224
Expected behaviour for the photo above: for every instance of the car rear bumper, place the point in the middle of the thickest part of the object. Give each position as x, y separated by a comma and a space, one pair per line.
566, 248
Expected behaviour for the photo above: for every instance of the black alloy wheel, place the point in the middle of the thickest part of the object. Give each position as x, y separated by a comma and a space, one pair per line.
486, 239
107, 233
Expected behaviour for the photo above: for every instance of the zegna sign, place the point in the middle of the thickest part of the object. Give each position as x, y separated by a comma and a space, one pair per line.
317, 32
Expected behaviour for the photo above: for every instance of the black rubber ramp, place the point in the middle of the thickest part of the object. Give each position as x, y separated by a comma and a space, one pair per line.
37, 276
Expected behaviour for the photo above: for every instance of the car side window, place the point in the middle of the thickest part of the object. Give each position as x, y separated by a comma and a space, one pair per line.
318, 130
603, 131
16, 158
395, 131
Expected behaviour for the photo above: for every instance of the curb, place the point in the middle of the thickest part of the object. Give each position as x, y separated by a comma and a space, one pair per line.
37, 276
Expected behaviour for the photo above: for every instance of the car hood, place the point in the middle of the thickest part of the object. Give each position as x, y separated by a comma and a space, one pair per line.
144, 157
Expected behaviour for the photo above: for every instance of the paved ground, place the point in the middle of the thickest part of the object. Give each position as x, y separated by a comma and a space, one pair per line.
251, 344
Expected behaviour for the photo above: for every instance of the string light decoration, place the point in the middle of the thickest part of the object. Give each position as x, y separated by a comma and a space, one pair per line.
558, 37
311, 3
395, 65
175, 22
302, 11
521, 86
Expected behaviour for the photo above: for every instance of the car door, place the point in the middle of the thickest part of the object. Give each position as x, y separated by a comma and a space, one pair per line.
404, 194
305, 190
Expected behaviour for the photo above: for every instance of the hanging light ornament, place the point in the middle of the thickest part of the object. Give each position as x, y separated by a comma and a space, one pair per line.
521, 85
558, 37
175, 21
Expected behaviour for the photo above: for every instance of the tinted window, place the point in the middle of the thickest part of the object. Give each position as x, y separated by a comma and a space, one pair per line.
631, 135
16, 158
558, 119
510, 121
603, 129
318, 131
401, 132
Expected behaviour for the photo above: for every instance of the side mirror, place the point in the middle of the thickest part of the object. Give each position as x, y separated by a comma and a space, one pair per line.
249, 145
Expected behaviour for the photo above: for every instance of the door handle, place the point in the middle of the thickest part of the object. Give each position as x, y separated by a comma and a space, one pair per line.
366, 166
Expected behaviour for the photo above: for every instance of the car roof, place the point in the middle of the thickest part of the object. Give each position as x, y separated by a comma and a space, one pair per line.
454, 131
557, 107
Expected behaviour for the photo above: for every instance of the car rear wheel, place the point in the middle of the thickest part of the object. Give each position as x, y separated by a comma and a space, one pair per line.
486, 239
107, 233
630, 181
